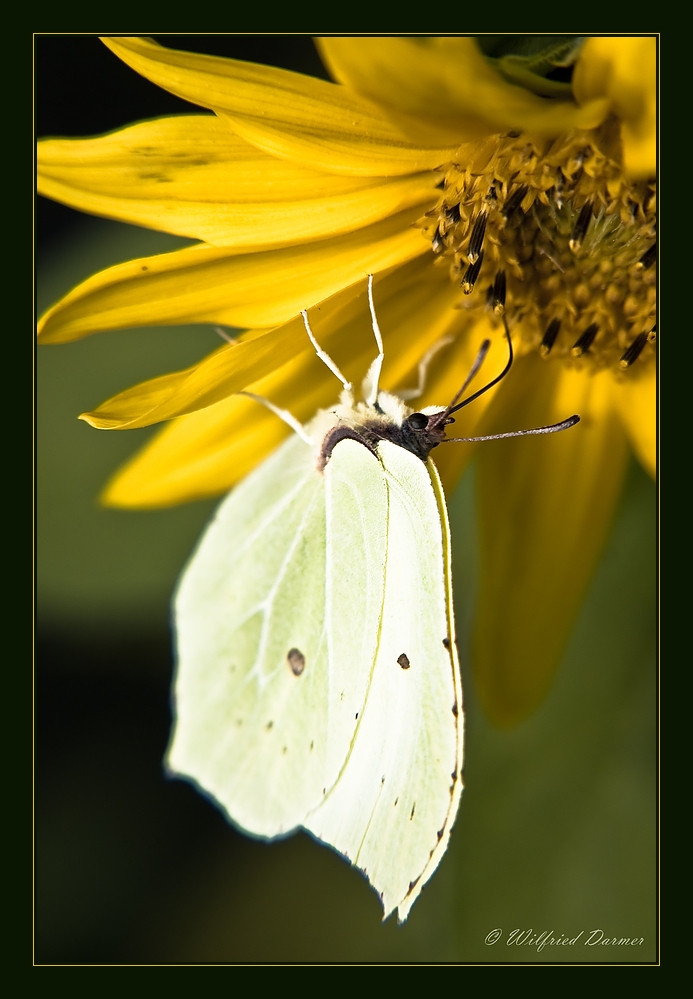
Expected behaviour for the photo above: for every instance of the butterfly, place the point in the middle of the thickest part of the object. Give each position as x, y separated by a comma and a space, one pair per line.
318, 682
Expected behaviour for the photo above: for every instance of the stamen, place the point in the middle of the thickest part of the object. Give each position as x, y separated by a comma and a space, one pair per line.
585, 341
471, 274
499, 288
514, 201
551, 258
574, 238
648, 258
652, 335
549, 338
437, 243
476, 240
634, 351
453, 213
581, 225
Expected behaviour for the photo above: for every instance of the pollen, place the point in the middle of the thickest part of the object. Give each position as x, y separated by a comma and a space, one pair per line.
554, 235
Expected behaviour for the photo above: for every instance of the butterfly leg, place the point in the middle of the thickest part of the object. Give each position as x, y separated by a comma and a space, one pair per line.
323, 355
424, 364
370, 382
283, 414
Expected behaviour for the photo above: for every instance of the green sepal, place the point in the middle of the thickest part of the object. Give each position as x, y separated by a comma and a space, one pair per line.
527, 60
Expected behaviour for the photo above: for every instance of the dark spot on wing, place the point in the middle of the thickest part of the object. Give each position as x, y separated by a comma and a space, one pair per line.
440, 833
296, 661
396, 800
312, 743
455, 710
341, 696
413, 809
382, 779
144, 267
356, 716
413, 884
269, 725
403, 660
454, 775
446, 643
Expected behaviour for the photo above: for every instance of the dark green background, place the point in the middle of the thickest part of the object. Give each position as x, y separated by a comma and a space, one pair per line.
558, 822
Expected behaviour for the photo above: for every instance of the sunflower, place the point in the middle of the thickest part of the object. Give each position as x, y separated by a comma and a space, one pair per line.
477, 179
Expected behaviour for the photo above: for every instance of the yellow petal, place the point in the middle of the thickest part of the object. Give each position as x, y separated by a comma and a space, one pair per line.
624, 70
205, 453
202, 284
545, 505
240, 365
287, 114
636, 399
448, 80
193, 176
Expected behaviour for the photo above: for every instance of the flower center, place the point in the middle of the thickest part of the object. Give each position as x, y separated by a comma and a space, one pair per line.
558, 237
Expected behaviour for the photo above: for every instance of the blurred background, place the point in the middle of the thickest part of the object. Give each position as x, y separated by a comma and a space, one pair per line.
557, 828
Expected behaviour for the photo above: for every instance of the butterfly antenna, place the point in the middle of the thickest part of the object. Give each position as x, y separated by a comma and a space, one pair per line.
554, 428
452, 408
373, 376
442, 417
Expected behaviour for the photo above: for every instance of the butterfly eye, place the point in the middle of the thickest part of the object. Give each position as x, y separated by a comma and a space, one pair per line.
417, 421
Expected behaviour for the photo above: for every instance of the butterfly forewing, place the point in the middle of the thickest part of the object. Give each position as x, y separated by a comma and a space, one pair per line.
391, 810
272, 668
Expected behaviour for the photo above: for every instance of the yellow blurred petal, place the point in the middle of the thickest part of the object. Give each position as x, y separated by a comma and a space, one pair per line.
202, 454
636, 399
202, 284
193, 176
545, 505
415, 307
624, 70
287, 114
448, 80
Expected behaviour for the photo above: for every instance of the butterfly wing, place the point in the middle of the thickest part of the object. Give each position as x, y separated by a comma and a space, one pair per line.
277, 618
392, 809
